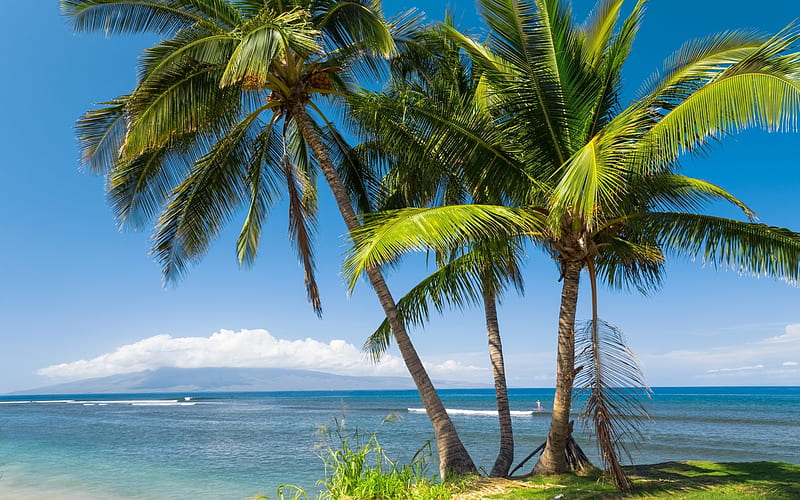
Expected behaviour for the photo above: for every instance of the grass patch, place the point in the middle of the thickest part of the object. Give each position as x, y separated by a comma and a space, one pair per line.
358, 468
673, 480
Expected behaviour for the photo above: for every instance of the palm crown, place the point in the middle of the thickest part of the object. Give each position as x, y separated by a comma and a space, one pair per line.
211, 126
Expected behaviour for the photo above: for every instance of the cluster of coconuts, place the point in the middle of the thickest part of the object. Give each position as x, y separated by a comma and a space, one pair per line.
320, 80
252, 82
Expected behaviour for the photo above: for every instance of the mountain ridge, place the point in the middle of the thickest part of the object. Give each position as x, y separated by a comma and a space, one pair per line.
226, 379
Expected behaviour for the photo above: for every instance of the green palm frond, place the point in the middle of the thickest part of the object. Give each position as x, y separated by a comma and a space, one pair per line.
133, 16
696, 63
265, 181
361, 181
529, 37
183, 100
203, 44
728, 83
436, 129
605, 104
458, 283
385, 236
264, 40
138, 187
101, 134
200, 205
667, 191
613, 389
745, 247
599, 29
626, 264
348, 22
728, 105
591, 179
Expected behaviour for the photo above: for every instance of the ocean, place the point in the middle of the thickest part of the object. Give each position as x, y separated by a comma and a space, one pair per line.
239, 445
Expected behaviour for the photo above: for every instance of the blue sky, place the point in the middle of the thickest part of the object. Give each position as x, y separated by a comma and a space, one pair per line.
79, 298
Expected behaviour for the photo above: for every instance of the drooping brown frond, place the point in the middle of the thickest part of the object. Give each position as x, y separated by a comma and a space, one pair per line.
613, 387
302, 220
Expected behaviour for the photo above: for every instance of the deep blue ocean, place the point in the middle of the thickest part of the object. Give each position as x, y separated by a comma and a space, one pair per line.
240, 445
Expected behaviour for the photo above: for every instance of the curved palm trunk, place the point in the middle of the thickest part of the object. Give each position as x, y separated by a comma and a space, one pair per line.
554, 459
506, 454
453, 456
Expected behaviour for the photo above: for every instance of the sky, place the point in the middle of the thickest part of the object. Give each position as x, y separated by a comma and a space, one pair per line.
80, 299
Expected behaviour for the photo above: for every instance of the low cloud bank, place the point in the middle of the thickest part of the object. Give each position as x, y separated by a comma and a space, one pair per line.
247, 349
767, 361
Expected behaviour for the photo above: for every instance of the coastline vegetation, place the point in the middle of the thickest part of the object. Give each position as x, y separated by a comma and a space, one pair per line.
690, 480
357, 466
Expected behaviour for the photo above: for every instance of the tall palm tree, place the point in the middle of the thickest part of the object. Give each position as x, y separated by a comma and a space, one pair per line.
604, 193
221, 118
433, 72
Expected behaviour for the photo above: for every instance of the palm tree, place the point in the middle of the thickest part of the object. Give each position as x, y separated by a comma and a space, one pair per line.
604, 194
433, 72
220, 119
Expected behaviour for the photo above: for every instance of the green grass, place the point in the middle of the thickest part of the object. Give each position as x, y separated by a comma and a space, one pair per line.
358, 468
674, 481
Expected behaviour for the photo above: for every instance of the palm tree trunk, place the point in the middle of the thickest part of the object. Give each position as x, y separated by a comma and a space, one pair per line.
505, 456
453, 456
554, 459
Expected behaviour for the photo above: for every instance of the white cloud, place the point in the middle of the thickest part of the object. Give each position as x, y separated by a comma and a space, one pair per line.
779, 346
248, 349
792, 335
759, 361
739, 369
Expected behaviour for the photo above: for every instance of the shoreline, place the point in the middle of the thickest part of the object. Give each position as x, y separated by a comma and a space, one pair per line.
723, 480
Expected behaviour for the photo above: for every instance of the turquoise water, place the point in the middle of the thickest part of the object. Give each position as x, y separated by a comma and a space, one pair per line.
239, 445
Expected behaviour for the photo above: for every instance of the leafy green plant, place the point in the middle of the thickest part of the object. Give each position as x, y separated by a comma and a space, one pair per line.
357, 466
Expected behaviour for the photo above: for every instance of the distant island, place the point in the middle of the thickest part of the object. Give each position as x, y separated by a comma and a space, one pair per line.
228, 380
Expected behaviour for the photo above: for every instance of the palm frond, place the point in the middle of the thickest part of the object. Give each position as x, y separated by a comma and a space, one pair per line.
745, 247
696, 62
624, 263
614, 392
728, 105
531, 38
302, 225
182, 100
200, 205
208, 46
101, 134
359, 179
590, 180
668, 191
264, 41
131, 16
138, 187
351, 21
385, 236
609, 73
437, 130
264, 180
599, 28
458, 283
